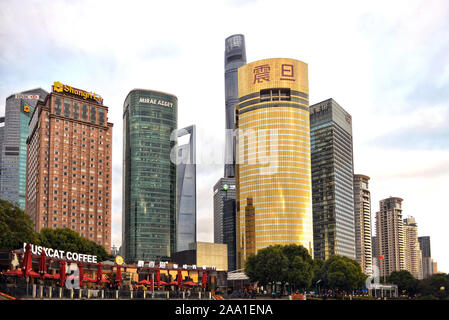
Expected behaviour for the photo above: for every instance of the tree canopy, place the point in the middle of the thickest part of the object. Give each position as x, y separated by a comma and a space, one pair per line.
16, 227
267, 265
300, 266
405, 281
69, 240
285, 264
342, 273
435, 287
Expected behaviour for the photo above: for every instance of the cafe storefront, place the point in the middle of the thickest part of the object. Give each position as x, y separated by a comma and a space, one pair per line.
38, 272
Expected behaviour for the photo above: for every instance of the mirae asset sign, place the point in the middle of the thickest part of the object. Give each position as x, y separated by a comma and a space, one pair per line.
157, 101
61, 254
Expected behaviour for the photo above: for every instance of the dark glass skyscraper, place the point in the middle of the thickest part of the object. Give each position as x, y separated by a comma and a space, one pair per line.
13, 157
186, 185
224, 189
229, 232
149, 175
424, 244
235, 56
332, 180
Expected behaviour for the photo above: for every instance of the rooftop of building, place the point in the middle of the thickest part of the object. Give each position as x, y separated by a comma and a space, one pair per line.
151, 91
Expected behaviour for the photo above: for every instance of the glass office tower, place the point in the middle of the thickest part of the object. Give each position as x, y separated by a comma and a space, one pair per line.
274, 192
186, 185
18, 109
235, 56
224, 190
149, 175
332, 180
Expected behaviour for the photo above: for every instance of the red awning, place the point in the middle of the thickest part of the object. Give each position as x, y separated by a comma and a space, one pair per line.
34, 274
118, 276
179, 280
16, 272
99, 274
88, 279
62, 275
189, 283
204, 279
27, 262
43, 264
146, 282
80, 273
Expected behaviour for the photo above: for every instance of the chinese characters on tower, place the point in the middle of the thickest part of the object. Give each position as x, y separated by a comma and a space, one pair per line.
262, 73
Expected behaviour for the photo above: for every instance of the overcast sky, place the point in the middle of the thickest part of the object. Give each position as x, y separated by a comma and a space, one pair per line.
386, 63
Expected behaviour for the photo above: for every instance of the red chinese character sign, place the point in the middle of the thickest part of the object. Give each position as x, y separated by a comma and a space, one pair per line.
261, 73
288, 72
273, 73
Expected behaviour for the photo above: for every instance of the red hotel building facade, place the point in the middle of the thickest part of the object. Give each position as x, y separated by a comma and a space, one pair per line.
69, 164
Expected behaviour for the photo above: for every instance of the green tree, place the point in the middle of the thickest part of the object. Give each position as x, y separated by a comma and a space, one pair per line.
434, 287
16, 227
317, 280
290, 264
69, 240
300, 266
342, 274
405, 281
267, 266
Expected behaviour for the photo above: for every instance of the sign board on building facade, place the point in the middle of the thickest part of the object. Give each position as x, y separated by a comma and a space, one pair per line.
165, 265
61, 254
63, 88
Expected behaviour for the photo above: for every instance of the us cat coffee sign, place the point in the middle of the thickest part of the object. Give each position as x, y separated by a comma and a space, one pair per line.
61, 254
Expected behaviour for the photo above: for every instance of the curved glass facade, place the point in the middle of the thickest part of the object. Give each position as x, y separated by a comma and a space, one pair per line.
186, 206
149, 175
274, 194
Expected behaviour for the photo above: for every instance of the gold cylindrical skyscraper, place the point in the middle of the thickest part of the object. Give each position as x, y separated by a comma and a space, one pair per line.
274, 192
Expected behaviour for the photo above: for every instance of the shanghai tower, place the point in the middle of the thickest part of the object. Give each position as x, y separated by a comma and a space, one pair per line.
235, 56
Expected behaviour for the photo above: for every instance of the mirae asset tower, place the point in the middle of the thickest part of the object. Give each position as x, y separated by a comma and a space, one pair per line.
149, 175
274, 192
69, 164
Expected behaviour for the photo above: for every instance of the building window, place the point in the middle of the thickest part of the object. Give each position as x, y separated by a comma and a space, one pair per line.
67, 108
275, 95
101, 116
93, 114
57, 106
84, 113
75, 111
